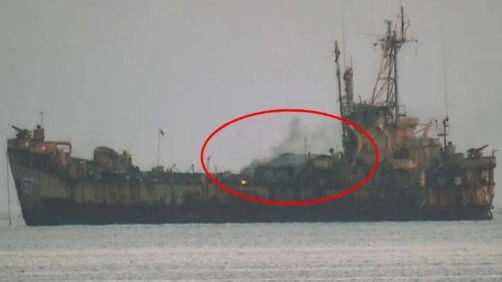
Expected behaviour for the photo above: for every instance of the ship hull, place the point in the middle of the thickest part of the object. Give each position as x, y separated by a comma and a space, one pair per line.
56, 212
50, 200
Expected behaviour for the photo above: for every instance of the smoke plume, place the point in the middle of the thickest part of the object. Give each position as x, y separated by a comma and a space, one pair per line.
319, 141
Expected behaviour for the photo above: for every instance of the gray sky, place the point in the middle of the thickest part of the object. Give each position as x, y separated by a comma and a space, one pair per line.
112, 72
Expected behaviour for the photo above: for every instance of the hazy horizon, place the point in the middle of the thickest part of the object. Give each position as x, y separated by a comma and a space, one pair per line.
112, 73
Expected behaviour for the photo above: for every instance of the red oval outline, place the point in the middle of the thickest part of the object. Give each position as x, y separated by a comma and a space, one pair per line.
290, 203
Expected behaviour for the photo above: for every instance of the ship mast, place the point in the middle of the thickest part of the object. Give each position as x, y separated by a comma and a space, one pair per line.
344, 101
446, 126
387, 79
340, 95
41, 118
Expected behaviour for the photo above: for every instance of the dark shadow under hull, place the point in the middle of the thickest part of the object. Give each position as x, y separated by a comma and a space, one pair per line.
68, 213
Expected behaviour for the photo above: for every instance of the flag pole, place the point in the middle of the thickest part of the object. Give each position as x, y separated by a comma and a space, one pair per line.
158, 148
8, 192
208, 167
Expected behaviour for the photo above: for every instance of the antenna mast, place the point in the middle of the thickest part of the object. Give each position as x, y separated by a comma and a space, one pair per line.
340, 96
345, 102
446, 120
387, 80
341, 99
343, 36
445, 79
41, 119
306, 145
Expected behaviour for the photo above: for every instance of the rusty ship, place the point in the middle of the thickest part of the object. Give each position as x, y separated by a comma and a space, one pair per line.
418, 177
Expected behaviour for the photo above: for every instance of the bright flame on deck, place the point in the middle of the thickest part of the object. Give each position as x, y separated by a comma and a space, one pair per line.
243, 182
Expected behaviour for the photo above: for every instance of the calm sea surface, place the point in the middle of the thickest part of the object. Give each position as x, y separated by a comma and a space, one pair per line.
456, 251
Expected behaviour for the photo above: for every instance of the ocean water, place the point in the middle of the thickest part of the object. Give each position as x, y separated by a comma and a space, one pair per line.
424, 251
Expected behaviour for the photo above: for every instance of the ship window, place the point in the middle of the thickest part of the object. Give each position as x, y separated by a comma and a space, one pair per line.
27, 185
441, 180
458, 180
485, 177
65, 148
268, 175
403, 154
282, 175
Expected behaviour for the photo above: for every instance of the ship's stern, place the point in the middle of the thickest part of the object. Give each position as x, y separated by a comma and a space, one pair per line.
463, 188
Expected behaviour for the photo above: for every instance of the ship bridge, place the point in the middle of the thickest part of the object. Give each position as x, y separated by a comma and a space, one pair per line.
394, 137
